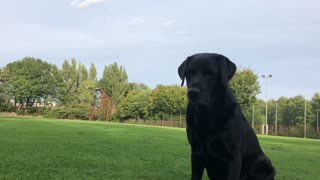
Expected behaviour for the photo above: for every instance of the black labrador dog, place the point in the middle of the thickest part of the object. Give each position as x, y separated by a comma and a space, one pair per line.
221, 139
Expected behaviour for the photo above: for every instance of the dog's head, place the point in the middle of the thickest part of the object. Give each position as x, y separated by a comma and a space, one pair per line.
205, 74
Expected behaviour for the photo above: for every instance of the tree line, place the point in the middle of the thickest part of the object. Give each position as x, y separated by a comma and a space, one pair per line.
35, 87
288, 111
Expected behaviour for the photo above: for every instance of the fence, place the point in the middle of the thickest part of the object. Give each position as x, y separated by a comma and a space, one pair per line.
166, 123
289, 130
279, 130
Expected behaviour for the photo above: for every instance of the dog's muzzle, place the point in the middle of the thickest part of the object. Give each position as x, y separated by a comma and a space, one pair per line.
193, 94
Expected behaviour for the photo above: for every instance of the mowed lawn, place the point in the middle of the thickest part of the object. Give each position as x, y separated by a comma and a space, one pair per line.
37, 148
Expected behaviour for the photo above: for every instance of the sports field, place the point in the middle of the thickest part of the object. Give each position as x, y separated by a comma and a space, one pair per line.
37, 148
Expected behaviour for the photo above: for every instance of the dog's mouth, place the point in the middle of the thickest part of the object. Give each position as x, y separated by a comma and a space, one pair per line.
198, 103
199, 108
197, 97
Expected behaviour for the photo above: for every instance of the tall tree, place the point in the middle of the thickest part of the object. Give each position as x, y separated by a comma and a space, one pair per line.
71, 79
291, 110
138, 86
259, 112
87, 93
84, 76
115, 81
283, 110
105, 106
93, 73
245, 87
316, 101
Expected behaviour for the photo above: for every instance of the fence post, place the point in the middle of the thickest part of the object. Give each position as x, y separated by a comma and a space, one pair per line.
171, 120
180, 119
305, 119
252, 116
162, 120
317, 110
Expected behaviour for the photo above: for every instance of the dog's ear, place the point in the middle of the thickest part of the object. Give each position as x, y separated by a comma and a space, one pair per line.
182, 70
227, 68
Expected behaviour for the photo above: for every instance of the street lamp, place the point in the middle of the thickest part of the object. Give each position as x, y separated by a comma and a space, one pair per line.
317, 110
266, 78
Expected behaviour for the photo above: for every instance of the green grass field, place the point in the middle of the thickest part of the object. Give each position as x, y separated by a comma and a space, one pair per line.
37, 148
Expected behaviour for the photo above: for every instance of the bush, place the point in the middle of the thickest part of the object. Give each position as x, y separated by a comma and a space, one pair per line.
20, 111
6, 107
31, 110
43, 111
79, 112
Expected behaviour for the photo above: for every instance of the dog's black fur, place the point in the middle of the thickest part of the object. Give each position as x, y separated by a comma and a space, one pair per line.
221, 139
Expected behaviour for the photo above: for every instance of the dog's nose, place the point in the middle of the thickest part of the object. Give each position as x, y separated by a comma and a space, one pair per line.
193, 93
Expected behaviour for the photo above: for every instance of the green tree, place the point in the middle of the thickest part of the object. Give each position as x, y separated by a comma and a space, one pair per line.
316, 101
166, 101
245, 87
4, 91
316, 106
115, 81
71, 80
272, 111
259, 112
133, 105
291, 110
283, 110
138, 86
76, 79
33, 81
80, 95
159, 103
87, 93
84, 76
93, 73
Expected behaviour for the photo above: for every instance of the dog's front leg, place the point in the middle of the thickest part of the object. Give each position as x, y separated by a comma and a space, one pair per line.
225, 170
197, 166
235, 167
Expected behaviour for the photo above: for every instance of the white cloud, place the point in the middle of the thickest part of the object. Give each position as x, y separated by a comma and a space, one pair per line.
85, 3
168, 23
132, 22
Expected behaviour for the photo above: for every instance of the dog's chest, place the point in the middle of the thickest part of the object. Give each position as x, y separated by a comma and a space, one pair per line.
213, 147
204, 121
208, 135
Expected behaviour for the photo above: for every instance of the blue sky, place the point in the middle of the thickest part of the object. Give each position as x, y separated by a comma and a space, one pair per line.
152, 38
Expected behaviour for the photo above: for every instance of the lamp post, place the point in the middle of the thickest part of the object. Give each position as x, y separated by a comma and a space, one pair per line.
266, 125
317, 110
